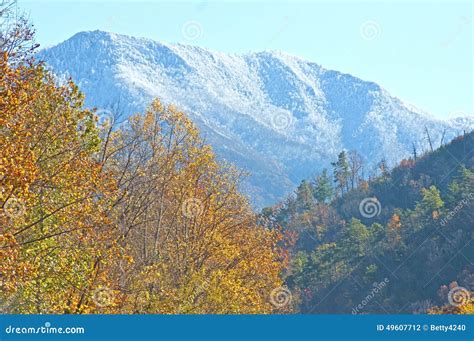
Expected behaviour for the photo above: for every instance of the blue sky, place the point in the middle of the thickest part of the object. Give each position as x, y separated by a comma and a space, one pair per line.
421, 51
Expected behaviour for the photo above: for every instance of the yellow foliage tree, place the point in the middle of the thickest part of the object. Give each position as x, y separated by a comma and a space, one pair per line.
55, 236
141, 219
194, 239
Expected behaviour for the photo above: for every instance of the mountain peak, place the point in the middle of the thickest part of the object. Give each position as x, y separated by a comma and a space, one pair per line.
91, 36
278, 116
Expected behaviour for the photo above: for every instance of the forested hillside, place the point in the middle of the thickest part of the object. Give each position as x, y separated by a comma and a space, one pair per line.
401, 242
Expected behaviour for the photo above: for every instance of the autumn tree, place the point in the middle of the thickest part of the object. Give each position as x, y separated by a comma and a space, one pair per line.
56, 239
194, 240
393, 231
16, 33
130, 220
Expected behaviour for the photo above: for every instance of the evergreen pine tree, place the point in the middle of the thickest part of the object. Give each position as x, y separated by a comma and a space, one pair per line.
323, 190
341, 173
304, 195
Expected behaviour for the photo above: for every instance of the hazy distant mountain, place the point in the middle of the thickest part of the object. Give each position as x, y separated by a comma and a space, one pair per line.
278, 116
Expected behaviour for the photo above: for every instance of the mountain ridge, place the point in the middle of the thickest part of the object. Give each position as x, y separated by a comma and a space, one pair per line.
279, 116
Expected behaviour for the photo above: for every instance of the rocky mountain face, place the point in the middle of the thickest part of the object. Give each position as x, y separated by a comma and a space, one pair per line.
277, 116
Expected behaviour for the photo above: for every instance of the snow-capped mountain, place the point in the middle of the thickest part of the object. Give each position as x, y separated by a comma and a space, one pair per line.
277, 116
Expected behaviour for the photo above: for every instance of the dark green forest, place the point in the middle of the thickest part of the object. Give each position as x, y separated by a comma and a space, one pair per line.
399, 242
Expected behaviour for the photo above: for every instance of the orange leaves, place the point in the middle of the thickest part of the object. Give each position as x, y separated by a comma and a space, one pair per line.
393, 230
407, 163
394, 222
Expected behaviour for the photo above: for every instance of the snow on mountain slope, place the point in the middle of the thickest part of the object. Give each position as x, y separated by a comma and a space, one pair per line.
280, 117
